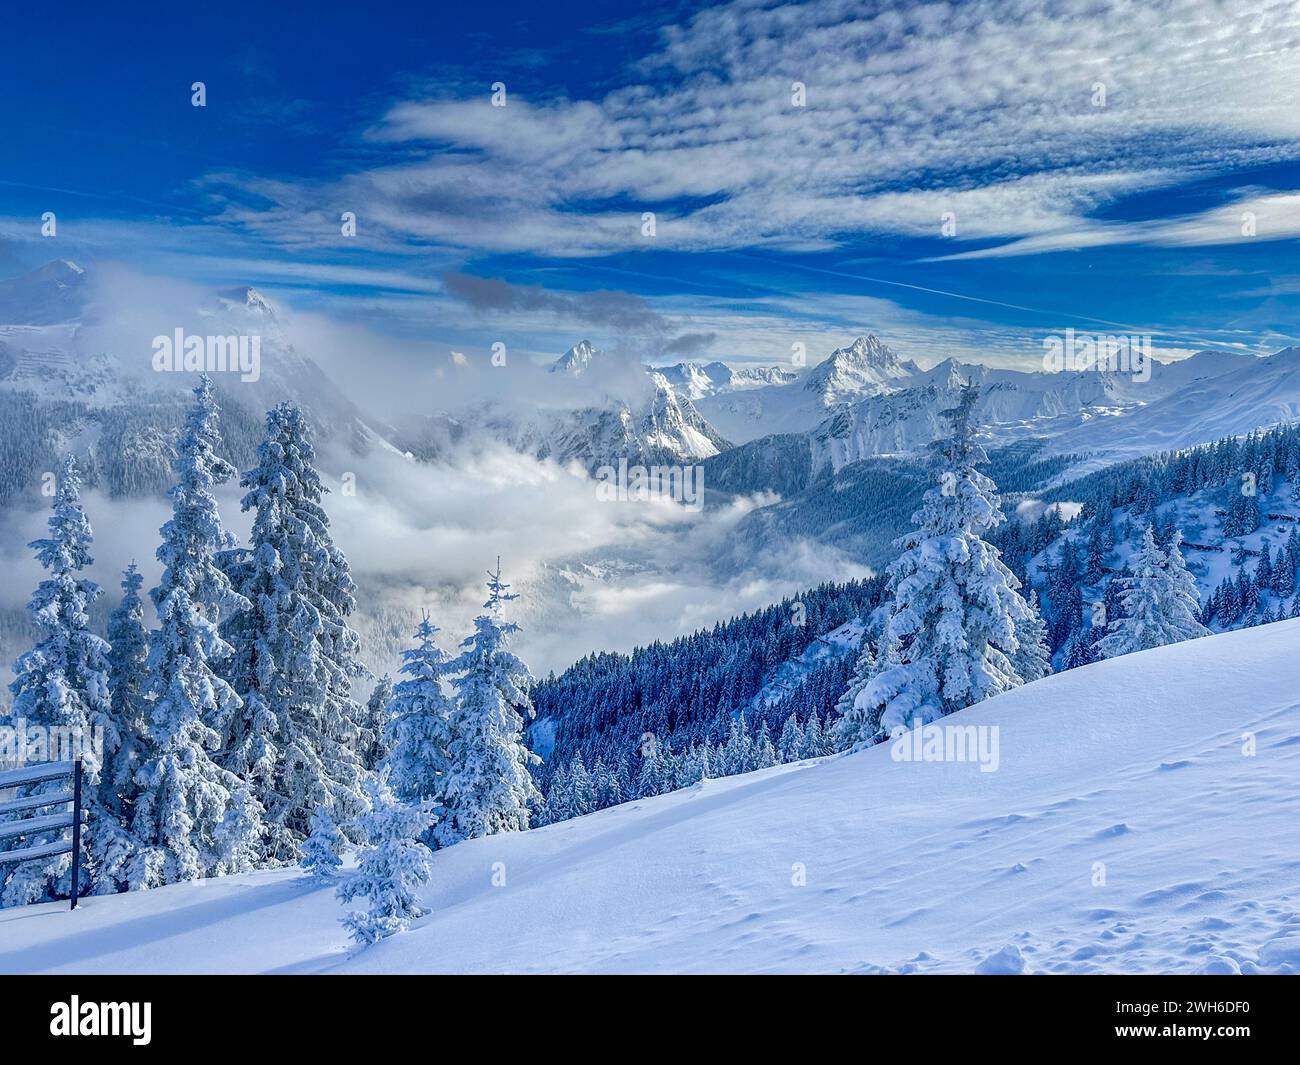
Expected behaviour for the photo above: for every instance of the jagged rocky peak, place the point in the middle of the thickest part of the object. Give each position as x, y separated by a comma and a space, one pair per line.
866, 367
575, 360
246, 298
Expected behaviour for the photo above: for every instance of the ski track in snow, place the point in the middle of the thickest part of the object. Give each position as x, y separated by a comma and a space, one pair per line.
934, 867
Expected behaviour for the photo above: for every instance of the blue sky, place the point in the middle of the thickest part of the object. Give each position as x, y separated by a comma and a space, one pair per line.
1168, 202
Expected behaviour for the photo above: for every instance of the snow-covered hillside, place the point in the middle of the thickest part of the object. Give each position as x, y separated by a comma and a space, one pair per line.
1254, 394
1143, 816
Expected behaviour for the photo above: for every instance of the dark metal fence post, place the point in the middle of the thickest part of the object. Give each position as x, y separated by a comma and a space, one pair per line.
76, 830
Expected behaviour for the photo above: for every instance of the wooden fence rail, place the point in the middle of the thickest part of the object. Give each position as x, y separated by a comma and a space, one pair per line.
43, 823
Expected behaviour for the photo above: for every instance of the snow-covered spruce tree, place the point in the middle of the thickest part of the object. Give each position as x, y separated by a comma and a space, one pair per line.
192, 817
1159, 603
956, 607
790, 745
653, 777
582, 787
1284, 576
62, 684
1032, 659
863, 669
418, 733
322, 852
609, 791
373, 743
128, 641
559, 798
1243, 510
690, 768
295, 739
488, 787
738, 754
391, 865
764, 750
815, 744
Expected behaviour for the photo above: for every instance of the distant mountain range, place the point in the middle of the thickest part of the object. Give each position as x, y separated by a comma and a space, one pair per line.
826, 455
864, 401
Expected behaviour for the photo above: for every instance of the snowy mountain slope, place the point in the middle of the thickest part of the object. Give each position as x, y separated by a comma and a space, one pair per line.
1211, 557
54, 293
860, 508
1105, 416
855, 864
840, 642
1255, 395
84, 377
697, 380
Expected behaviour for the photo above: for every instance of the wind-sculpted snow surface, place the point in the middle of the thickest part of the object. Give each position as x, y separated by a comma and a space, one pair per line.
1143, 817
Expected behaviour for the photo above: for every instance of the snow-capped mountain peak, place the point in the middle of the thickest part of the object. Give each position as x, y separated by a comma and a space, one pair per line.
48, 295
63, 271
575, 360
246, 298
868, 366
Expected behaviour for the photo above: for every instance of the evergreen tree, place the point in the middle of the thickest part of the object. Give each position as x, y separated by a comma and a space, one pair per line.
1064, 594
373, 744
790, 745
488, 787
690, 768
1283, 576
1244, 514
609, 791
669, 767
1247, 594
296, 739
1097, 550
322, 852
1079, 650
1031, 660
192, 817
1264, 571
582, 789
1159, 603
764, 752
419, 727
623, 775
650, 775
863, 670
559, 796
128, 654
391, 865
651, 779
816, 743
955, 611
62, 684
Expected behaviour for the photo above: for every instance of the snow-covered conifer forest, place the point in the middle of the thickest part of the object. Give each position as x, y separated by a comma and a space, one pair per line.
773, 489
